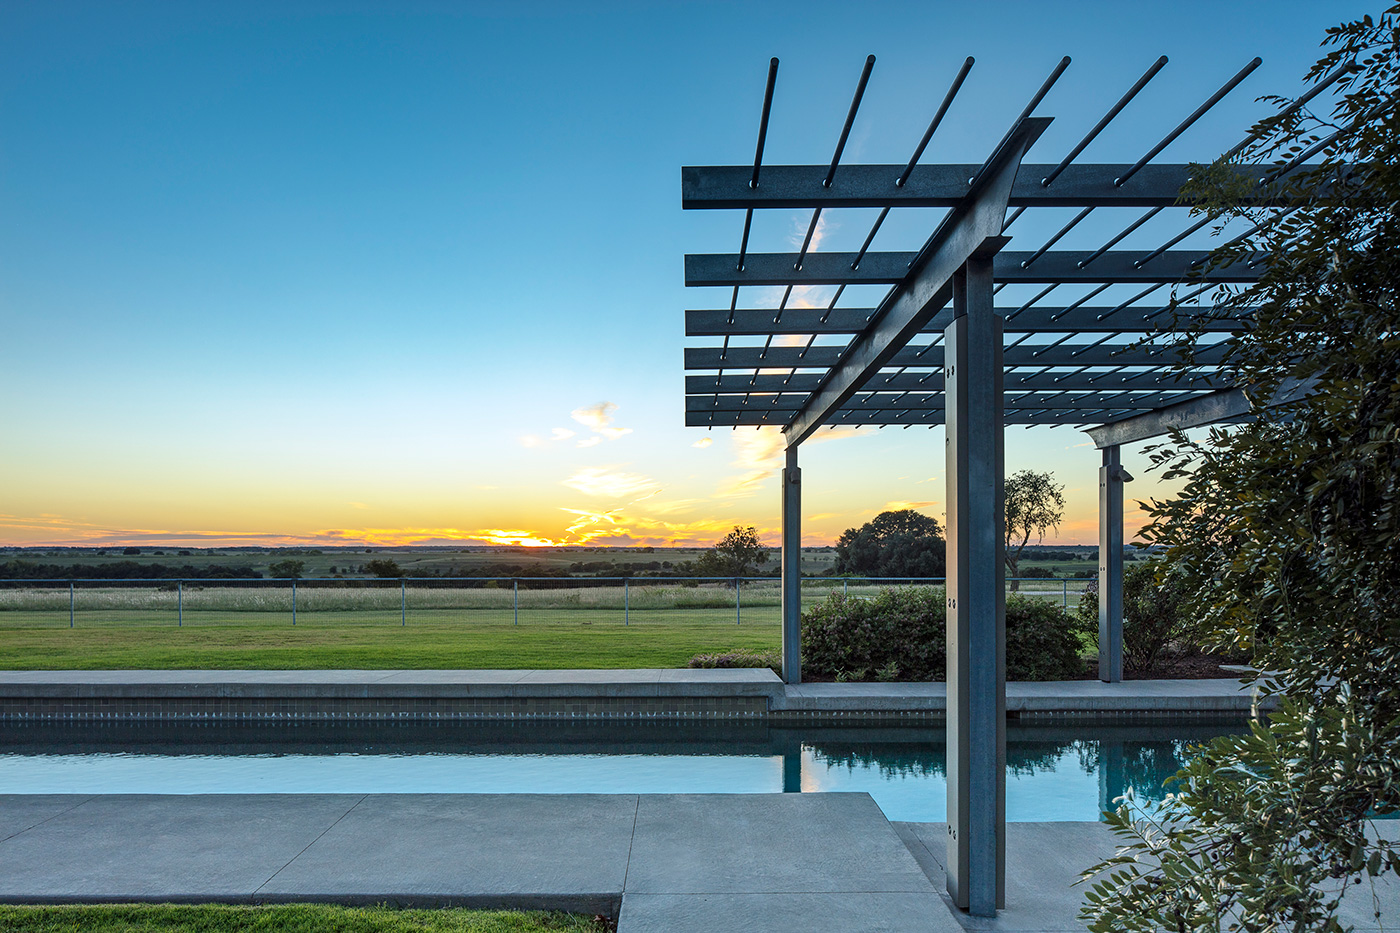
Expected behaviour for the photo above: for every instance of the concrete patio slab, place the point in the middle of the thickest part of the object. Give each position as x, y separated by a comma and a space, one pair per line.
721, 843
22, 813
217, 847
1045, 859
530, 850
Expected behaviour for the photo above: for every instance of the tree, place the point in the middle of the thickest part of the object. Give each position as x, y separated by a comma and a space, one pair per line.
287, 569
1288, 531
737, 554
384, 567
903, 543
1035, 503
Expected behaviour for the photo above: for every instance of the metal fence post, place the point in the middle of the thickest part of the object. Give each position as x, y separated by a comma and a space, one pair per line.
70, 603
403, 602
626, 601
1064, 594
179, 603
737, 614
846, 587
515, 585
294, 602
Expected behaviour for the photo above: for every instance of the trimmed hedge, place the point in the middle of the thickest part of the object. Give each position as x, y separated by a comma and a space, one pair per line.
901, 634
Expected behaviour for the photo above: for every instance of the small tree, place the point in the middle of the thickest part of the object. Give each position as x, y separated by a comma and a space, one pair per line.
287, 569
384, 567
902, 543
737, 554
1035, 503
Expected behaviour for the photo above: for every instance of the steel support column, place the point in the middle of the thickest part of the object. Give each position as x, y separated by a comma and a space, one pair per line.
976, 596
1111, 479
792, 569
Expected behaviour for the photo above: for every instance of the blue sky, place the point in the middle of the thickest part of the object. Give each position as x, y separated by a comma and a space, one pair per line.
412, 271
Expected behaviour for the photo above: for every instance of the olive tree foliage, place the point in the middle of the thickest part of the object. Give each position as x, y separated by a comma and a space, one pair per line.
1035, 503
737, 554
902, 543
1288, 530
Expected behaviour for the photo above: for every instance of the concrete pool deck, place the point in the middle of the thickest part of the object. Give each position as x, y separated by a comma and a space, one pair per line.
477, 694
776, 863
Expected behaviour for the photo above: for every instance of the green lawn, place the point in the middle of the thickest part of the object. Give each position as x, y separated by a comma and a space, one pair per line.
284, 918
578, 639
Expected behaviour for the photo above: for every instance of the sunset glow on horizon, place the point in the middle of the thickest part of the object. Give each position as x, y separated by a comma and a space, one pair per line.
320, 274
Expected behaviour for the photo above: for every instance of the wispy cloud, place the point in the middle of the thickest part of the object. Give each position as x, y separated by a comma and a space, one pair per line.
599, 418
703, 442
598, 481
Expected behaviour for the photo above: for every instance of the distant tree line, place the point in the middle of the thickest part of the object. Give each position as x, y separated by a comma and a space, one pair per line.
121, 570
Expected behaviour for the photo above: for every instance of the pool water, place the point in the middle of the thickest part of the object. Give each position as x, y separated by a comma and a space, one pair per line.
1054, 772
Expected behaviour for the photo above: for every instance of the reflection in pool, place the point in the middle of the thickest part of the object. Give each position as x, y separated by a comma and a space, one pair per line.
1055, 771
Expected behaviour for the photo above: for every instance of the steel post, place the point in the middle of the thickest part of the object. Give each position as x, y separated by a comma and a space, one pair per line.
70, 604
976, 625
294, 602
1111, 479
180, 604
626, 602
792, 569
403, 603
515, 586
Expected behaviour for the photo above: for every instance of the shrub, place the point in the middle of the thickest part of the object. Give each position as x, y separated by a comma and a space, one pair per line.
1153, 617
902, 634
1041, 641
740, 658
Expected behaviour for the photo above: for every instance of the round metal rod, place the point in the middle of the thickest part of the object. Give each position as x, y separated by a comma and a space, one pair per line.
1012, 219
1182, 127
807, 240
1107, 119
870, 237
1114, 242
1298, 104
937, 119
1030, 107
850, 119
744, 241
763, 120
1056, 238
1204, 221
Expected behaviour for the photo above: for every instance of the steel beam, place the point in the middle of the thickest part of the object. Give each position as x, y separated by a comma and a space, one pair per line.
1017, 380
1225, 405
972, 228
792, 569
934, 401
1012, 267
1112, 476
1082, 320
976, 626
711, 187
1065, 354
896, 416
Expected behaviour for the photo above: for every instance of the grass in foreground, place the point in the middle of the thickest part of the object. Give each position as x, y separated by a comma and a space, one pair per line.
282, 918
337, 643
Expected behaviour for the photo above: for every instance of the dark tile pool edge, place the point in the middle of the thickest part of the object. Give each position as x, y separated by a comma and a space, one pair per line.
271, 708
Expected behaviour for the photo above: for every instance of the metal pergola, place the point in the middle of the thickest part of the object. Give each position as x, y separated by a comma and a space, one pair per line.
938, 349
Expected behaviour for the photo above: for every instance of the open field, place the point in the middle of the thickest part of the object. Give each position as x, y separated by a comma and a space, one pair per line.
370, 625
509, 561
345, 642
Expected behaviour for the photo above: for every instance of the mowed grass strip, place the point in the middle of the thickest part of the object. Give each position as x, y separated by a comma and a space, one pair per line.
282, 918
340, 640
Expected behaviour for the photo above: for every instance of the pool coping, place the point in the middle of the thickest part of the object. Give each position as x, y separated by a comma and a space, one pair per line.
641, 693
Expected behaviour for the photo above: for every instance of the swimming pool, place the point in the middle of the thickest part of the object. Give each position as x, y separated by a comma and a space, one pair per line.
1069, 771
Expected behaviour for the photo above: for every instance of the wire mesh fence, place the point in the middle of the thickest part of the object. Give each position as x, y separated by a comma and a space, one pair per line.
402, 601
